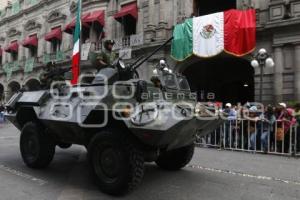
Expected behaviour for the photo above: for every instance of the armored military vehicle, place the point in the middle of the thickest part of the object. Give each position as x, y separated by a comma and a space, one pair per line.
123, 122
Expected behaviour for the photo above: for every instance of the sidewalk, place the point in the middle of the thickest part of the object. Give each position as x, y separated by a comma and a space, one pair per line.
278, 167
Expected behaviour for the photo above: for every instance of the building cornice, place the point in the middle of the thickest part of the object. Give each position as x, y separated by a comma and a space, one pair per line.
24, 11
279, 24
86, 3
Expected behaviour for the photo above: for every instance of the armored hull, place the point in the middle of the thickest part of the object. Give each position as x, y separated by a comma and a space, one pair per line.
75, 117
121, 120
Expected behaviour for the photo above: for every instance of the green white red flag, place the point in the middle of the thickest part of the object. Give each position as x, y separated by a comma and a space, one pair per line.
232, 31
76, 48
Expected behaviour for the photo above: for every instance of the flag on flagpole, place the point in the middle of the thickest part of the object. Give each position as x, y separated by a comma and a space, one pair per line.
76, 48
232, 31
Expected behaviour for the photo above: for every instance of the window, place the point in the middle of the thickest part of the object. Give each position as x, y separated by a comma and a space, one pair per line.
54, 37
12, 49
204, 7
183, 83
97, 35
14, 56
128, 16
85, 35
55, 46
33, 48
129, 25
32, 52
170, 81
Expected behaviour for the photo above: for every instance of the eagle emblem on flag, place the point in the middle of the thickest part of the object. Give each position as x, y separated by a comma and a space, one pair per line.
208, 31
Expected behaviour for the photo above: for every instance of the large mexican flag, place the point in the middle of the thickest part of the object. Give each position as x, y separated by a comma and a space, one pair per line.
232, 31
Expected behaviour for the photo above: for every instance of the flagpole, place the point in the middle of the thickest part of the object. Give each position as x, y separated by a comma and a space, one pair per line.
80, 35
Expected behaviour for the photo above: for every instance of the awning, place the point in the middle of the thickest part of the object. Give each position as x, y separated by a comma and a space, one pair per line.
13, 47
54, 34
31, 41
69, 27
96, 16
127, 10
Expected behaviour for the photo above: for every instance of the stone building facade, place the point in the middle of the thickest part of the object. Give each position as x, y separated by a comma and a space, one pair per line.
3, 4
34, 32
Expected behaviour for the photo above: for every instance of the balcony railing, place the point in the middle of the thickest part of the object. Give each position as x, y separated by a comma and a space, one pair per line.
54, 57
29, 65
11, 67
129, 41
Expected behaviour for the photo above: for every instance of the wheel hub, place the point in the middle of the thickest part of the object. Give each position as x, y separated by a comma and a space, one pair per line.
109, 162
32, 146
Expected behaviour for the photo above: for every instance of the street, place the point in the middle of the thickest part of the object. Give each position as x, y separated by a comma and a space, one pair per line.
212, 174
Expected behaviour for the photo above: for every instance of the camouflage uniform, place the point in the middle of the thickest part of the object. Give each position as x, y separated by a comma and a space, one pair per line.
46, 81
107, 57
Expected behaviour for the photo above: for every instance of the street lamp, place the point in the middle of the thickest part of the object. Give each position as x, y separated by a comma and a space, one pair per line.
262, 59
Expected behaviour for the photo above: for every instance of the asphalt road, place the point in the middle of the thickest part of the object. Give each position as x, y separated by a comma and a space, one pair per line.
212, 175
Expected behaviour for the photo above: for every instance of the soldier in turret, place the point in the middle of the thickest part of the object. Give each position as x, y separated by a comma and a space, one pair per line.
107, 57
50, 74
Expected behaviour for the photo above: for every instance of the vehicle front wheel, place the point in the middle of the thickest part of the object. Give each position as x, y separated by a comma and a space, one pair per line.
117, 165
176, 159
37, 148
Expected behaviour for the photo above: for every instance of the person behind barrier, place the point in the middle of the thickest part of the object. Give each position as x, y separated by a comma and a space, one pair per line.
231, 117
253, 129
266, 127
297, 117
285, 120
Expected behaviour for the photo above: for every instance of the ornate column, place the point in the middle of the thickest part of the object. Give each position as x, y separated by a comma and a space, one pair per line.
297, 72
161, 30
278, 76
149, 31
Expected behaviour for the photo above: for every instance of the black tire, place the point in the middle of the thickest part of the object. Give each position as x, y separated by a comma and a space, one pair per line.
117, 165
176, 159
37, 149
64, 145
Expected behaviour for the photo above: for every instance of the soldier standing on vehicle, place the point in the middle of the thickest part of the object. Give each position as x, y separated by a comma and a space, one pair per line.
107, 57
51, 74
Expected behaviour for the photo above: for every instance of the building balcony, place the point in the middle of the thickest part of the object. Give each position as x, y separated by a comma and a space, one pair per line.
89, 53
11, 67
129, 41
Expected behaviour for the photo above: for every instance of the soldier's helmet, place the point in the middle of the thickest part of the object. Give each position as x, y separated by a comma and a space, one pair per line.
50, 64
108, 42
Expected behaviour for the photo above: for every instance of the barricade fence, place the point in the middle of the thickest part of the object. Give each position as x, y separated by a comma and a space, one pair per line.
259, 136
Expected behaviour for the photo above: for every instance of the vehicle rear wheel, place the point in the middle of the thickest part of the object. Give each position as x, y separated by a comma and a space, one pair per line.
117, 165
176, 159
37, 148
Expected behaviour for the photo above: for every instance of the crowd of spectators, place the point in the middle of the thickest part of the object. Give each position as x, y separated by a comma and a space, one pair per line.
261, 128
